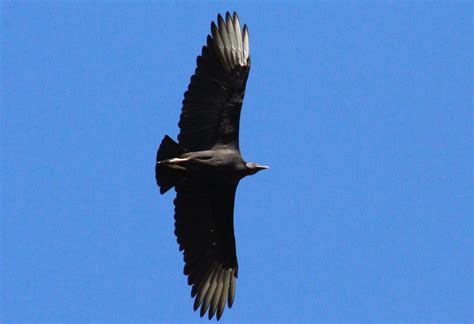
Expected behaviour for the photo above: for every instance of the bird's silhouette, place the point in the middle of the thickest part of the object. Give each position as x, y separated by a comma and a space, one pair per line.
206, 166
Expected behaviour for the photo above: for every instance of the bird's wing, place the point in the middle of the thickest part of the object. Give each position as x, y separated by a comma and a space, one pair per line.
211, 106
204, 227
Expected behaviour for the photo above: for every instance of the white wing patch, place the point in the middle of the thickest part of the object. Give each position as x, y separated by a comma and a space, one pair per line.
231, 44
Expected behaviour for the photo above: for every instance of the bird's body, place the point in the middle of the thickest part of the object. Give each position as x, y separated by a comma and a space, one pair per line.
206, 166
219, 165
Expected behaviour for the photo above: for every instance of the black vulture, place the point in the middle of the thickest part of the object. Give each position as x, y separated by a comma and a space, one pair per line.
206, 166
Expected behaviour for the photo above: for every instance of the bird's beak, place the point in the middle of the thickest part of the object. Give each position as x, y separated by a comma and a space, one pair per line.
262, 167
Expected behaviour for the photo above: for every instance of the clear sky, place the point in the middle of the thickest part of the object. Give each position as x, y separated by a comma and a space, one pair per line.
362, 110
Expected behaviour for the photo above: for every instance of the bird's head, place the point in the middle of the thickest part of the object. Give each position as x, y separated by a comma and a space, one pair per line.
253, 167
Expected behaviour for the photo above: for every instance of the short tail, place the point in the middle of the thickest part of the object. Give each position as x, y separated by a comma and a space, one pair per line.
166, 177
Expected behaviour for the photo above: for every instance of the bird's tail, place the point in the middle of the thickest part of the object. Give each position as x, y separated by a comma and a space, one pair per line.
167, 177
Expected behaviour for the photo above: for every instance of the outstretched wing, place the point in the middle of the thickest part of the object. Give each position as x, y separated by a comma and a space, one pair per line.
205, 231
211, 106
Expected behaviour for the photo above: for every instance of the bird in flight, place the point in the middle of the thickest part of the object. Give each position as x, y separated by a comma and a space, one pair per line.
206, 166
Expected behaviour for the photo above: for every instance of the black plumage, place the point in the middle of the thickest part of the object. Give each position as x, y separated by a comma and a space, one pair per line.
206, 166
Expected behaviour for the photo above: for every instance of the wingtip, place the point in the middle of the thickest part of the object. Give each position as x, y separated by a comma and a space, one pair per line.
216, 293
228, 16
236, 17
231, 296
213, 26
245, 37
196, 305
219, 18
229, 23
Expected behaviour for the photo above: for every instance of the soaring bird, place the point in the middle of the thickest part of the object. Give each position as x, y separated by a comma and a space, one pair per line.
206, 166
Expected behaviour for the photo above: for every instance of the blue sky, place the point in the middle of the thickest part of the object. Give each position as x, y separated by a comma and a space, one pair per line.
362, 110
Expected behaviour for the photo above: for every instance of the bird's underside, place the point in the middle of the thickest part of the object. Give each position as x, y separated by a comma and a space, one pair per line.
206, 166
